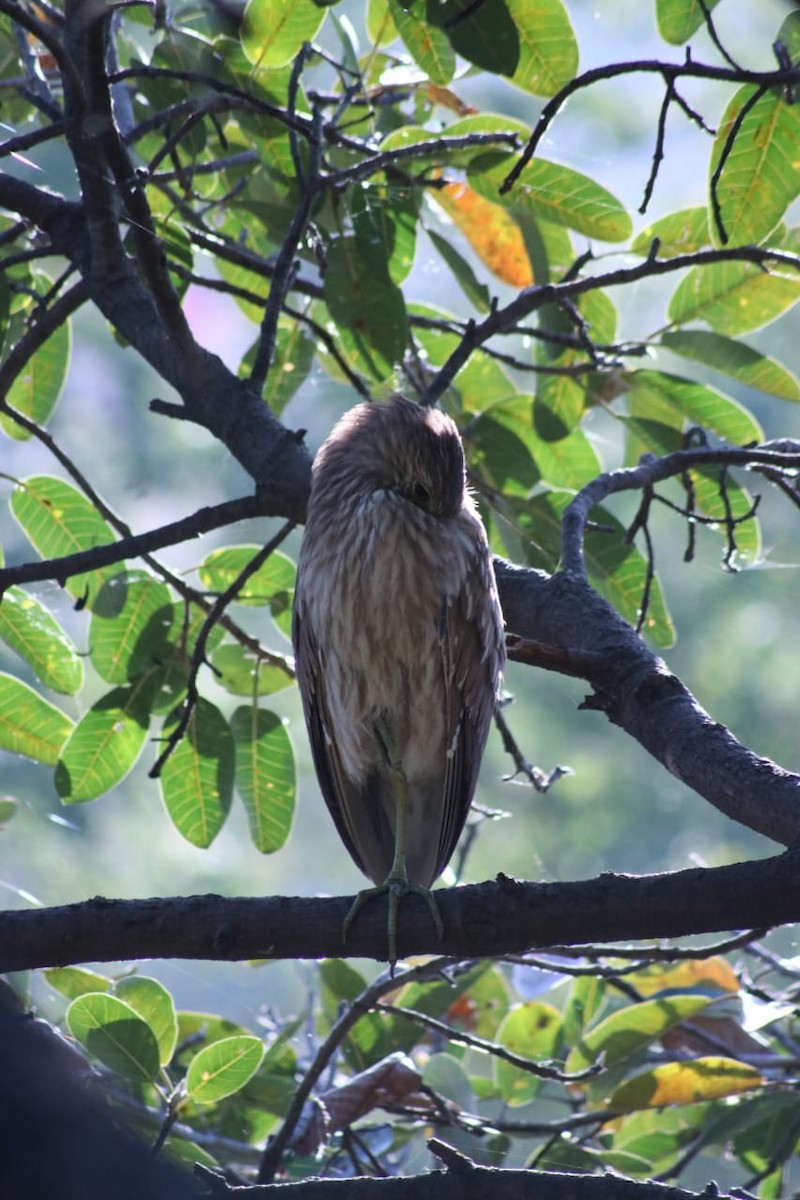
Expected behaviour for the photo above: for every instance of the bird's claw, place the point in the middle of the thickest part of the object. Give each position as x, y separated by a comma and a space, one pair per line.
394, 889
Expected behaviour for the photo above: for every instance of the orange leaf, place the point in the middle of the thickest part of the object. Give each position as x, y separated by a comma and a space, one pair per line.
493, 233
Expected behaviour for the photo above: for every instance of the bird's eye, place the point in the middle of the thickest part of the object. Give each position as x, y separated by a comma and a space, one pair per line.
421, 495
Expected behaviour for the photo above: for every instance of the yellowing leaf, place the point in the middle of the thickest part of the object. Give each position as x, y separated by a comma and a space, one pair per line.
685, 1083
491, 231
710, 974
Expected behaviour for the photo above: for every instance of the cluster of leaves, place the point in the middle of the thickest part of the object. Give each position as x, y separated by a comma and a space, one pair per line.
299, 182
141, 636
234, 135
635, 1067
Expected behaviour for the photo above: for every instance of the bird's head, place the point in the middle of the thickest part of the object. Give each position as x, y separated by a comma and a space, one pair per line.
401, 447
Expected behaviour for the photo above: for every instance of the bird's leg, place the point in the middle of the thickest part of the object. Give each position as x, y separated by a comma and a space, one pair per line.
397, 883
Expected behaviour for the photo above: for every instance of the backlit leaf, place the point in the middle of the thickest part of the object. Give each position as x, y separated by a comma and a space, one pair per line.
679, 19
761, 174
197, 778
58, 520
30, 725
736, 359
265, 776
491, 231
36, 389
154, 1004
533, 1031
113, 1032
34, 633
631, 1029
223, 1068
548, 52
699, 1079
554, 193
104, 745
734, 297
681, 232
428, 46
130, 626
274, 30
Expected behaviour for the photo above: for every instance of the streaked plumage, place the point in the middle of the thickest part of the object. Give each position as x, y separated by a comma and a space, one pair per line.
398, 635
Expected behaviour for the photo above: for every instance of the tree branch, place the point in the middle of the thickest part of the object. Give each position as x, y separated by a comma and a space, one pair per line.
481, 920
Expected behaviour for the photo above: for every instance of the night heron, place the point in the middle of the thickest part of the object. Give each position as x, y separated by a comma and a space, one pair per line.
399, 643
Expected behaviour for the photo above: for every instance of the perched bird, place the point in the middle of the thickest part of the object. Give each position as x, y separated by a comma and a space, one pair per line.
398, 638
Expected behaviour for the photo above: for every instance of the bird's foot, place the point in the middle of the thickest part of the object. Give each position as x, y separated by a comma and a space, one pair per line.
394, 888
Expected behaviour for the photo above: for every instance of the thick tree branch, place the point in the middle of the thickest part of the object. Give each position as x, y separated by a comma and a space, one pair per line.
482, 920
463, 1180
638, 692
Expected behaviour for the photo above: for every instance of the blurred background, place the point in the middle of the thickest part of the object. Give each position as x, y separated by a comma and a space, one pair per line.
738, 635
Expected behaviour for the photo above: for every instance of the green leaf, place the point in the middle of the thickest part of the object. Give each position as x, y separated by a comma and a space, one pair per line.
533, 1031
445, 1074
36, 390
58, 520
701, 405
679, 19
130, 626
681, 232
274, 30
223, 1068
375, 1035
30, 725
366, 305
736, 359
475, 291
709, 500
264, 775
385, 214
294, 355
484, 33
548, 52
104, 745
197, 778
243, 673
30, 630
196, 1029
502, 445
113, 1032
154, 1004
428, 46
760, 178
553, 193
272, 583
631, 1029
618, 571
76, 981
734, 297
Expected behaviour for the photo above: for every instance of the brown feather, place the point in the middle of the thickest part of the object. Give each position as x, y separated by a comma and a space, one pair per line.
397, 633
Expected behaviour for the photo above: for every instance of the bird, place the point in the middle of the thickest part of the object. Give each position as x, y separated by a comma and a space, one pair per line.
399, 644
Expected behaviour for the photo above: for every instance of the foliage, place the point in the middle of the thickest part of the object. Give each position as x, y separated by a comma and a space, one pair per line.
304, 159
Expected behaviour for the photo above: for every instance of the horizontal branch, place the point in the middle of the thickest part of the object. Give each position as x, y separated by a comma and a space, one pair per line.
463, 1180
482, 920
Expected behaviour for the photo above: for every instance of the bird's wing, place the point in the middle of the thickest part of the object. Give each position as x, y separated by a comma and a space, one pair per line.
336, 788
471, 645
